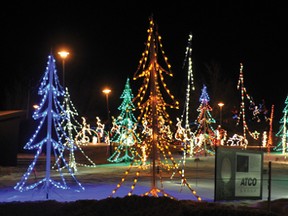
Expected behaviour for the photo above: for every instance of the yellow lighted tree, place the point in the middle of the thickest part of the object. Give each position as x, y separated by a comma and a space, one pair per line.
152, 101
152, 67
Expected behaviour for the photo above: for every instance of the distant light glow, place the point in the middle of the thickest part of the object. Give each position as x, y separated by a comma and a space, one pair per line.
63, 54
220, 104
106, 91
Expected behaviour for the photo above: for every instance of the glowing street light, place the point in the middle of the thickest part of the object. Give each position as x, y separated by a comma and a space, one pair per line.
63, 54
35, 106
220, 104
107, 91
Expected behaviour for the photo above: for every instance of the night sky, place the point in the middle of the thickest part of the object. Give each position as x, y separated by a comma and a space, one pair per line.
106, 40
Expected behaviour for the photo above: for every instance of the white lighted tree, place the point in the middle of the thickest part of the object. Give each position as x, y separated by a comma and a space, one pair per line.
252, 106
72, 127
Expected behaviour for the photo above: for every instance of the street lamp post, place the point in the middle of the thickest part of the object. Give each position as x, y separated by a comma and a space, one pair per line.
220, 105
63, 54
107, 91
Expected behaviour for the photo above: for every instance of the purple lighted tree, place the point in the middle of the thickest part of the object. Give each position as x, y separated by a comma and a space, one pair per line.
50, 117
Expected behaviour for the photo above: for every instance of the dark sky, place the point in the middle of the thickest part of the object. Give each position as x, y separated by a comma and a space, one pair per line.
106, 40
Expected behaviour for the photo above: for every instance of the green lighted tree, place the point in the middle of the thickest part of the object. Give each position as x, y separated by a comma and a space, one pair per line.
283, 133
124, 128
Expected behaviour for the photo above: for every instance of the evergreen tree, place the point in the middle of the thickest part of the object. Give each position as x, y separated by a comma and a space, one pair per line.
50, 115
283, 131
124, 133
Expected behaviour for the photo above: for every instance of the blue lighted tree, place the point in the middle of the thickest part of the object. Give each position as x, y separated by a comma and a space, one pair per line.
124, 129
50, 115
283, 131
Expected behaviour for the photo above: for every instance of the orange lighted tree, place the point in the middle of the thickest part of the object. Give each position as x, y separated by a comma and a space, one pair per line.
151, 103
150, 99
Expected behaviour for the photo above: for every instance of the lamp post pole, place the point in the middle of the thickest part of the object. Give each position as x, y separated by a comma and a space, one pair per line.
221, 105
63, 54
107, 91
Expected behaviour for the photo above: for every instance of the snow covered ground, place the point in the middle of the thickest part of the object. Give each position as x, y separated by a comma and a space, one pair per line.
100, 181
